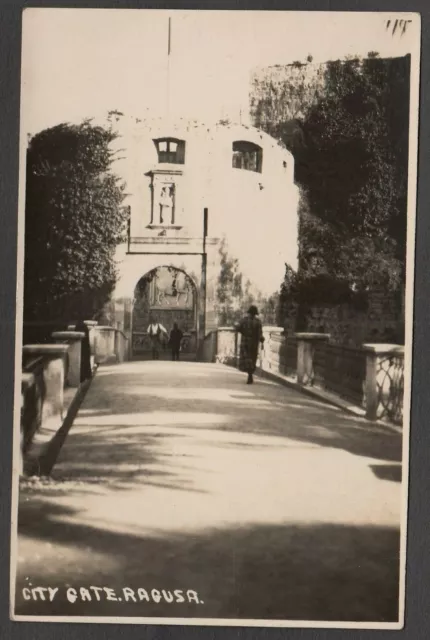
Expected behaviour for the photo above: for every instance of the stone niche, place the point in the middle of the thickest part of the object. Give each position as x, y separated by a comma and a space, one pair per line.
166, 206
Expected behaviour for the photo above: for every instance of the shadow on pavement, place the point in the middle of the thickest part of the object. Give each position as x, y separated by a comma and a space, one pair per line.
269, 410
113, 458
160, 437
281, 572
392, 472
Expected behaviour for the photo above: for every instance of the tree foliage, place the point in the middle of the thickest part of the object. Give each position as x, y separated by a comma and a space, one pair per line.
350, 142
354, 168
74, 220
235, 294
229, 289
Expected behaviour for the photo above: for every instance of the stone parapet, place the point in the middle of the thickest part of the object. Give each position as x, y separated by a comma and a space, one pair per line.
73, 339
384, 386
305, 355
53, 363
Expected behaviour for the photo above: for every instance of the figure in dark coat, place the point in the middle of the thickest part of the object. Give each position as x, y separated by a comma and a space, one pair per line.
251, 331
86, 372
175, 341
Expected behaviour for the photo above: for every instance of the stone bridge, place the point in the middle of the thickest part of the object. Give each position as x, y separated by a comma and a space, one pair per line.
176, 490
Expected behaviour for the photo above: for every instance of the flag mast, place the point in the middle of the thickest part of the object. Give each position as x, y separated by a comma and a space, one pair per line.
169, 49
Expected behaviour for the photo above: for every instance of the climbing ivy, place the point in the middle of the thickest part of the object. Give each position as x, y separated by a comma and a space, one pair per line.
346, 123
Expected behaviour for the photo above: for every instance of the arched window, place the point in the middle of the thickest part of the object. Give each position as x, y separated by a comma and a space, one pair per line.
170, 150
247, 155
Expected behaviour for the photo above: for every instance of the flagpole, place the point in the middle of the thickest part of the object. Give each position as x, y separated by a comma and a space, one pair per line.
169, 49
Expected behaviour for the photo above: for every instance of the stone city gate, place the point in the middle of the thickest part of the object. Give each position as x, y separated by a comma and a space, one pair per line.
165, 295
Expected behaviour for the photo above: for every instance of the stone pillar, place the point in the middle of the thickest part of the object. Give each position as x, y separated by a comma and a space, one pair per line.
227, 346
73, 338
53, 375
121, 348
266, 352
372, 387
104, 345
305, 355
91, 324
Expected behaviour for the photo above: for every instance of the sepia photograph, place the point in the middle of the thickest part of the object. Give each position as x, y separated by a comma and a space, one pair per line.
214, 317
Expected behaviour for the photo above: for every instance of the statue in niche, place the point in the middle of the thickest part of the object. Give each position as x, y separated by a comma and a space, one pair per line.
166, 204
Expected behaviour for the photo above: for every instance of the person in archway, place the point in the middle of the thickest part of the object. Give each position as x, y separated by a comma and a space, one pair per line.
176, 336
251, 331
156, 331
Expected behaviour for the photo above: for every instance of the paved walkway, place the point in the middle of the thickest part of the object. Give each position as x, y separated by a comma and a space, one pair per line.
179, 476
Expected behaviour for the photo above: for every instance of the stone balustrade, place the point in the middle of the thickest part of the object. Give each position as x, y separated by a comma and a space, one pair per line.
121, 345
51, 374
73, 339
305, 355
43, 382
110, 345
52, 360
384, 386
104, 344
228, 344
91, 325
370, 377
266, 355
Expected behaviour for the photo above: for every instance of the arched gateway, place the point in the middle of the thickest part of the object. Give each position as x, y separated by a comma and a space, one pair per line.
188, 186
168, 295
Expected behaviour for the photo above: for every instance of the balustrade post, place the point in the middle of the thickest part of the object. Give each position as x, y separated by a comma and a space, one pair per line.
227, 345
305, 355
121, 350
104, 345
53, 375
91, 324
73, 338
266, 351
378, 381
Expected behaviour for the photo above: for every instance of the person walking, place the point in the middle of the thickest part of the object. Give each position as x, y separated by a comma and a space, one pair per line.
176, 336
155, 333
251, 331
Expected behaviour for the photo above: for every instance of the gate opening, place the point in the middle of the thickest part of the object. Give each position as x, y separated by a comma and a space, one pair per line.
167, 295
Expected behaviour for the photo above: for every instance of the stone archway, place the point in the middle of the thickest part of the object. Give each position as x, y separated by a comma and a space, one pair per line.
168, 295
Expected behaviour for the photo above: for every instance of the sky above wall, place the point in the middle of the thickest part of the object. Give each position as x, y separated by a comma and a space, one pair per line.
79, 63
